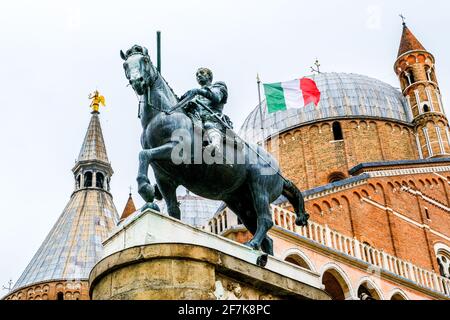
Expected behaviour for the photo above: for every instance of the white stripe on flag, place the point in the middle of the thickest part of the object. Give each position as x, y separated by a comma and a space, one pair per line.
292, 94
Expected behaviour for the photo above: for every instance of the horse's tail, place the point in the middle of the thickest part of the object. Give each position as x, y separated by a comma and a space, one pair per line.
295, 197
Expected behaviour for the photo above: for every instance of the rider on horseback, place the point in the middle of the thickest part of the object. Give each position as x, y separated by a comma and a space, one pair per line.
214, 96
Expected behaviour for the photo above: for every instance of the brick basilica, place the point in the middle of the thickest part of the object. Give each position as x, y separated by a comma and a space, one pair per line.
374, 164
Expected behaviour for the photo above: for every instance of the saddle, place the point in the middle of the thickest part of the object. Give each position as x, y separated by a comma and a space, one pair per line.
229, 136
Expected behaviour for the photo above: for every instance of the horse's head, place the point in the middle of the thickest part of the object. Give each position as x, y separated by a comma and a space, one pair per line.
138, 68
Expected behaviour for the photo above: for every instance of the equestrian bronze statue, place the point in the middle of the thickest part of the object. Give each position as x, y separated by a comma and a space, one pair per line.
247, 184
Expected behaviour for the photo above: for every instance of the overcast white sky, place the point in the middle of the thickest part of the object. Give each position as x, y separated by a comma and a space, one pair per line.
54, 53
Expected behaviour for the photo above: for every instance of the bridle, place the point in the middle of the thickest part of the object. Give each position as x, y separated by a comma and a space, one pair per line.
149, 82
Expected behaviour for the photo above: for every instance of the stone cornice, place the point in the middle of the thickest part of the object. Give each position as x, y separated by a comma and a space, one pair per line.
399, 165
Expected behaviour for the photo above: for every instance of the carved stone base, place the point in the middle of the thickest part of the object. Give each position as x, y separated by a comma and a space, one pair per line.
199, 266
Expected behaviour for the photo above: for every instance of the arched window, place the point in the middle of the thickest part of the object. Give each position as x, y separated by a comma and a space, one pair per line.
443, 259
60, 296
428, 72
367, 292
335, 285
335, 177
100, 179
88, 179
426, 108
398, 296
410, 75
404, 81
337, 131
297, 260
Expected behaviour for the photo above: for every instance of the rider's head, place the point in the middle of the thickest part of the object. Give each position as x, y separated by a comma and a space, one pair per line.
204, 76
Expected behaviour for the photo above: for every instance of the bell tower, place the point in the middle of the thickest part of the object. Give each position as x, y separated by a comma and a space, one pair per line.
415, 67
92, 169
60, 268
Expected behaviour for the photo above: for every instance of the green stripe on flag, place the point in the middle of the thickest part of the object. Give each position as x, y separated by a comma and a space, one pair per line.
274, 97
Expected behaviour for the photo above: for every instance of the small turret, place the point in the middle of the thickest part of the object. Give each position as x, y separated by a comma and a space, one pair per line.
60, 268
415, 67
129, 209
92, 169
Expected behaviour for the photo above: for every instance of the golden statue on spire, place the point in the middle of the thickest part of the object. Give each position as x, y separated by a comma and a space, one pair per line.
97, 99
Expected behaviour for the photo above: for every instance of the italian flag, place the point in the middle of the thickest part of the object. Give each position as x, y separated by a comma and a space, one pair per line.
291, 94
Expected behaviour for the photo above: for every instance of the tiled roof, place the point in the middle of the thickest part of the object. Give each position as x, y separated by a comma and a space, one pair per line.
129, 208
195, 210
409, 42
93, 147
74, 244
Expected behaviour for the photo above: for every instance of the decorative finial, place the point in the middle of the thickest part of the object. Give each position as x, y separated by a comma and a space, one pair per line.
403, 19
257, 78
97, 99
130, 189
316, 69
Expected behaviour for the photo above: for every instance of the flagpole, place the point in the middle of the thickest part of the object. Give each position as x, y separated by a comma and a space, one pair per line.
258, 81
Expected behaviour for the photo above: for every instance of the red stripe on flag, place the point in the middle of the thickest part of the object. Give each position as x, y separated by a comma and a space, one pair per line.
310, 91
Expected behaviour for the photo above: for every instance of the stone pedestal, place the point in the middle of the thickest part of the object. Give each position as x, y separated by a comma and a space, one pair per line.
152, 256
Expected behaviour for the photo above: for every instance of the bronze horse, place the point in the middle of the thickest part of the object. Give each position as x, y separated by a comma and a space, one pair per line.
246, 187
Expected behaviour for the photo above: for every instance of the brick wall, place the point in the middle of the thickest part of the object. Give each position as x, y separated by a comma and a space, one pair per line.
70, 290
389, 217
309, 155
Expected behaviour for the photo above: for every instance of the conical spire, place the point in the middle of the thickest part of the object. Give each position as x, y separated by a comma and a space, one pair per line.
93, 147
74, 244
129, 208
408, 42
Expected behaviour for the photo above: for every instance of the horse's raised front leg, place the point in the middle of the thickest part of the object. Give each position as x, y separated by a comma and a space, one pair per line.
145, 188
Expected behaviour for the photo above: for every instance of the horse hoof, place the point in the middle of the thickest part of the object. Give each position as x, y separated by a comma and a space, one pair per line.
147, 192
158, 195
302, 221
152, 206
262, 260
251, 245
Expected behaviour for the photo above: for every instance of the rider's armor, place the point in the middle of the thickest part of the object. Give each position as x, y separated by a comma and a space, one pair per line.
215, 99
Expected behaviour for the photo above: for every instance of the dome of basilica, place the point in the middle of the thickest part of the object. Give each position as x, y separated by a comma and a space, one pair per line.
342, 96
195, 210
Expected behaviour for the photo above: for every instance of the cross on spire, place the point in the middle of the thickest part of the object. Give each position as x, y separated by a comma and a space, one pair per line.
9, 288
403, 18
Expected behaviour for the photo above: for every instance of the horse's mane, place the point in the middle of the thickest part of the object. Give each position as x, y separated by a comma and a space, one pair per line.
167, 84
